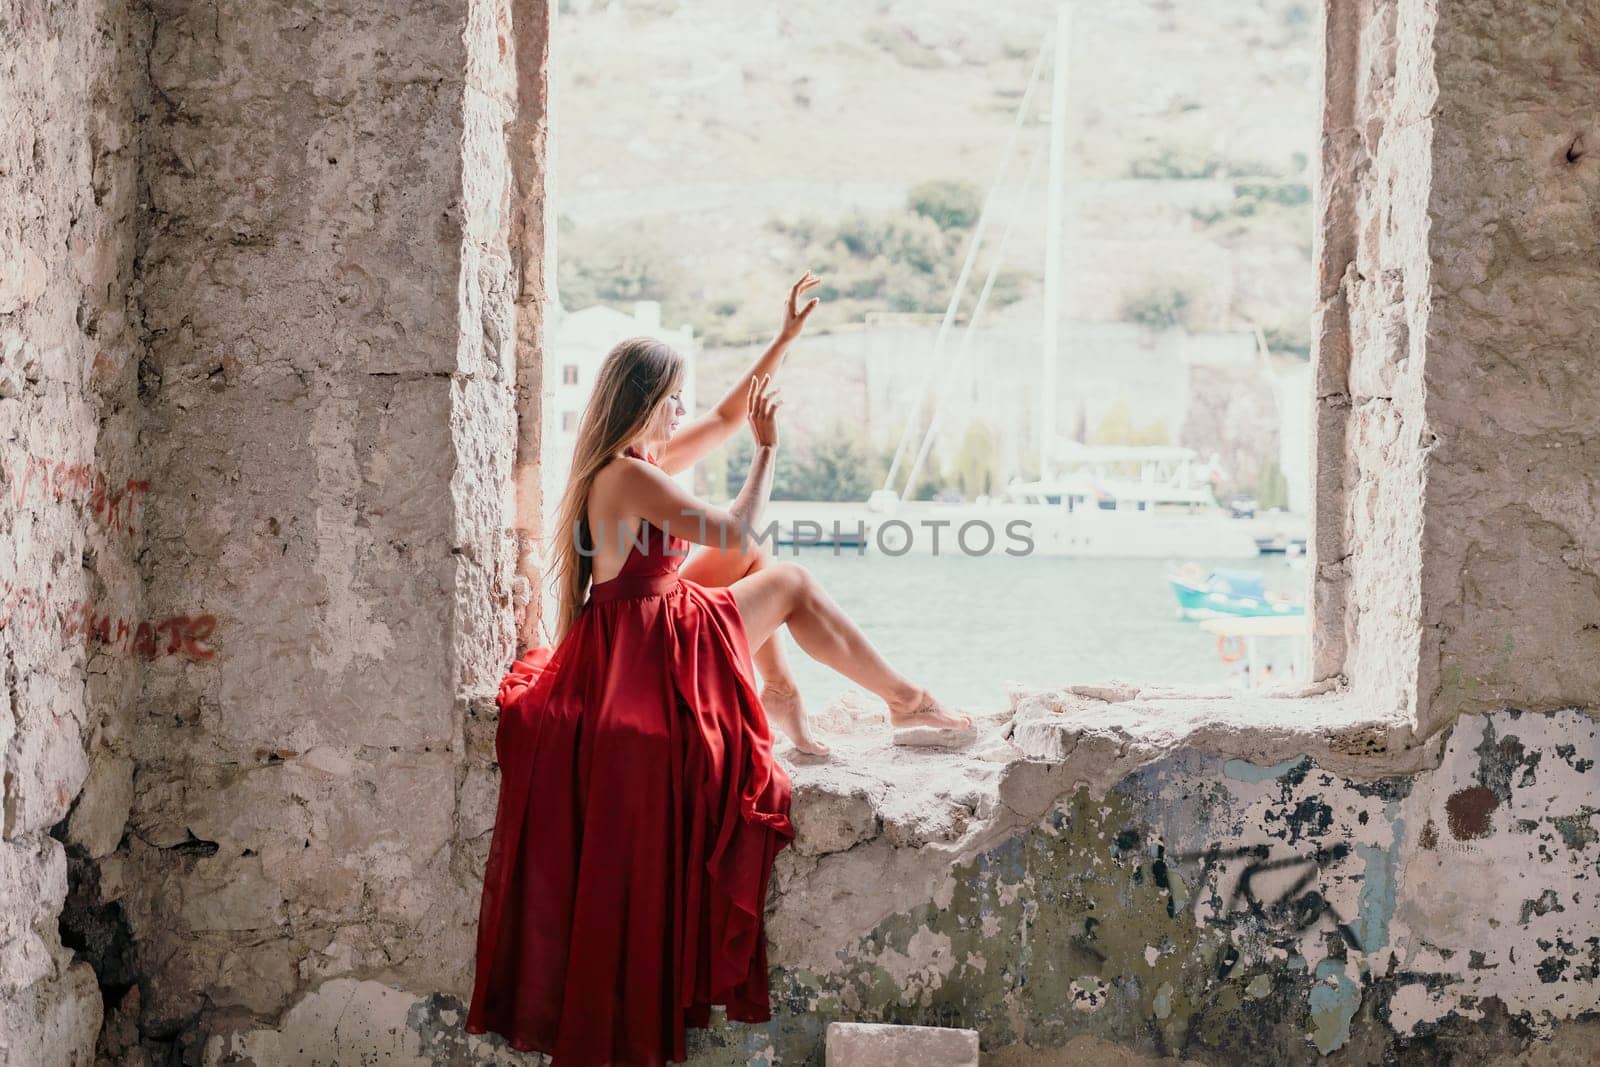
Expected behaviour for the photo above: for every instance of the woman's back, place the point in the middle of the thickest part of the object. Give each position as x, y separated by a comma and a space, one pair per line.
620, 540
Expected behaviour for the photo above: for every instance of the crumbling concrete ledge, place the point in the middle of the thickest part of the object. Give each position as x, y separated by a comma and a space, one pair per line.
1242, 878
879, 825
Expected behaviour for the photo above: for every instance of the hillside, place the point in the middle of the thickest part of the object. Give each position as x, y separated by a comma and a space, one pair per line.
709, 151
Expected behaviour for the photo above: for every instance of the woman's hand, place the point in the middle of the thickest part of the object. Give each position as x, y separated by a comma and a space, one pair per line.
794, 316
761, 408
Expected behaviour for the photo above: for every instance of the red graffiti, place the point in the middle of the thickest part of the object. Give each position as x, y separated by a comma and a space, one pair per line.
76, 482
177, 635
26, 606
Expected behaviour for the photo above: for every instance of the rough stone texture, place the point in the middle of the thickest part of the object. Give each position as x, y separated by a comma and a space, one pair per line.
71, 490
1227, 910
1457, 560
1144, 894
329, 422
1374, 274
878, 1045
1511, 565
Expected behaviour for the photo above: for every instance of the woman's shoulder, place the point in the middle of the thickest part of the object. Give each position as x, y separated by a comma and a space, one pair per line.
619, 467
611, 482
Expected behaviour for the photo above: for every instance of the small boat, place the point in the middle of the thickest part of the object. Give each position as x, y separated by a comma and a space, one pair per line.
803, 523
1244, 643
1280, 544
1227, 594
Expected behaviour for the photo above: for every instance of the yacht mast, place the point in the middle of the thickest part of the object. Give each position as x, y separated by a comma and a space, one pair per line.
1050, 348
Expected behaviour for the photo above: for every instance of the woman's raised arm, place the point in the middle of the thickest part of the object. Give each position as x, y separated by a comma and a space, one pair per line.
702, 435
656, 498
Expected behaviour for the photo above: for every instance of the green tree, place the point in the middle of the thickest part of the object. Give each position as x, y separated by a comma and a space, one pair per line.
951, 205
833, 468
1116, 427
836, 468
930, 479
1272, 487
1161, 306
976, 461
1290, 339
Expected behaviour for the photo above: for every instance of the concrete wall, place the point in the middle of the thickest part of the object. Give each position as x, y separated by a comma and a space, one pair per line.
1144, 875
1213, 908
1511, 569
1207, 391
74, 630
1456, 547
329, 432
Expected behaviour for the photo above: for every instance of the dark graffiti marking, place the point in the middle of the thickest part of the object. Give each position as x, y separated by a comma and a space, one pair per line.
1299, 905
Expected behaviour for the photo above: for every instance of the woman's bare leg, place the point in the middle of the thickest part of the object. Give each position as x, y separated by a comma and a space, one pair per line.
780, 694
780, 593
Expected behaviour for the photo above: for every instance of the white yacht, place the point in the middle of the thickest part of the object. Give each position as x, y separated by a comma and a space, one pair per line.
1151, 502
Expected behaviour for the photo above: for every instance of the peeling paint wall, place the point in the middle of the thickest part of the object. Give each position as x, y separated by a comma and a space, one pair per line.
1224, 911
74, 631
1202, 907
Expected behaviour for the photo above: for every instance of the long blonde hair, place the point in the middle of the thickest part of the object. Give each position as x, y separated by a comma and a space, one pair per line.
637, 375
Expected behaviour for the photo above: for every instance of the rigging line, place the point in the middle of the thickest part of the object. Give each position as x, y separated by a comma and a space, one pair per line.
966, 334
967, 264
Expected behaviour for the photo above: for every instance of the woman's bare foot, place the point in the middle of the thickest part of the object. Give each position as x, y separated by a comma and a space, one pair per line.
922, 709
788, 714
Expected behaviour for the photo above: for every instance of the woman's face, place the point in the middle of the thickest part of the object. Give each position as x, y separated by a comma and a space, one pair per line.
665, 419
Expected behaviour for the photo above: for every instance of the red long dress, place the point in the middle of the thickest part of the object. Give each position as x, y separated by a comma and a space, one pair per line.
640, 812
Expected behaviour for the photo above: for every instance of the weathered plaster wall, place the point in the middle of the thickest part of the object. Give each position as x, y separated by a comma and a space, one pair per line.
269, 283
329, 426
1226, 910
74, 632
1511, 554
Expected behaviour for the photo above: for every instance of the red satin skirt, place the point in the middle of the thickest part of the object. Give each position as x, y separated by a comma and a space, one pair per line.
640, 811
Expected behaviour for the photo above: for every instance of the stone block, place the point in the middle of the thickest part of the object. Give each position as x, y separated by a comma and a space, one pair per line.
828, 822
102, 808
882, 1045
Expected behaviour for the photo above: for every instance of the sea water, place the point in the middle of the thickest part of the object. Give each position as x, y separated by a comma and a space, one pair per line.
966, 626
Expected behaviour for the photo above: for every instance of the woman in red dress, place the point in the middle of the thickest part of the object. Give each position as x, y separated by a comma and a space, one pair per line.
640, 804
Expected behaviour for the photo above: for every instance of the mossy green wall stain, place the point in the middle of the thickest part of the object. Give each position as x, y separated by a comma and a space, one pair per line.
1577, 831
1086, 901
